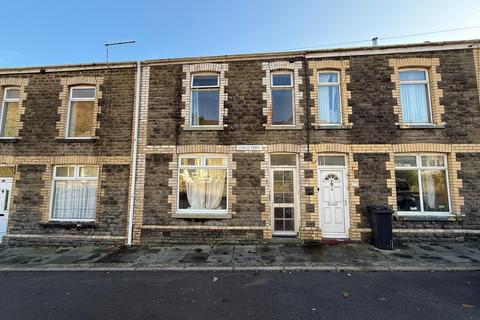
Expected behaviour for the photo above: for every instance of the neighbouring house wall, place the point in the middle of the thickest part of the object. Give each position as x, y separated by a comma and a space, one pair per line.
41, 145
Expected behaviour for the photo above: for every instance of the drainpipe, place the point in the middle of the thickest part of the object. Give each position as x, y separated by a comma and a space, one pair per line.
135, 155
307, 102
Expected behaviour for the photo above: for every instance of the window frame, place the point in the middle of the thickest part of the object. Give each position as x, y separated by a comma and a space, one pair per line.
76, 176
283, 87
203, 161
333, 167
429, 96
204, 88
330, 84
69, 109
419, 167
6, 100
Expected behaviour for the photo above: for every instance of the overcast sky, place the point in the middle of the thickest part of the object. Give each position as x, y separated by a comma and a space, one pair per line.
59, 32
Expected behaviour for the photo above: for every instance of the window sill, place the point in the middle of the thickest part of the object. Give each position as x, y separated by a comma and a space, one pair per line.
205, 128
333, 127
427, 217
420, 126
69, 225
182, 215
10, 139
79, 140
279, 127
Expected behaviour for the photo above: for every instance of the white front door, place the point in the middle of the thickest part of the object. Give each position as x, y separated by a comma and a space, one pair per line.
283, 201
333, 203
5, 194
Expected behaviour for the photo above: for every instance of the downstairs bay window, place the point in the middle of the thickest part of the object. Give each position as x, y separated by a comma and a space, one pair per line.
202, 184
422, 185
74, 193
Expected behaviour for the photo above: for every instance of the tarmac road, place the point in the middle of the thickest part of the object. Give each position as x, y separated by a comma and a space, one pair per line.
239, 295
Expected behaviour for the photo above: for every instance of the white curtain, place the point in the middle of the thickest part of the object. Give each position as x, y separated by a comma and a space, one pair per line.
195, 114
205, 190
74, 200
428, 186
415, 103
329, 102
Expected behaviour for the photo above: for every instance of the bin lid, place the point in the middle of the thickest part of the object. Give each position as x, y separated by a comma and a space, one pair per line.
379, 209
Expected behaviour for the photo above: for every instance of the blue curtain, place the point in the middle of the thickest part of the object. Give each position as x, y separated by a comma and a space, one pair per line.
415, 103
329, 104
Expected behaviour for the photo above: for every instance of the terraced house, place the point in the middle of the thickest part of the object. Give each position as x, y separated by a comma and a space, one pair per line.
244, 148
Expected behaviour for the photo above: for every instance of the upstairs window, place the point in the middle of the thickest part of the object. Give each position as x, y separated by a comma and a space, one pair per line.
329, 98
74, 193
202, 184
81, 112
422, 184
205, 105
282, 98
9, 112
415, 97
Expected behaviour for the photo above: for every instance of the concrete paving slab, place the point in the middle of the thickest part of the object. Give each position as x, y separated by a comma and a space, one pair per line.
269, 255
197, 254
221, 255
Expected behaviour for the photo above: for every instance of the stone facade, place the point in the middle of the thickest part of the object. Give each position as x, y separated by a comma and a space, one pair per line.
41, 145
369, 138
372, 132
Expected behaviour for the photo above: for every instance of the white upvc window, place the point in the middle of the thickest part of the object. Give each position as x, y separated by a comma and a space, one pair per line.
415, 96
74, 193
205, 100
283, 111
329, 98
422, 184
9, 112
81, 112
202, 184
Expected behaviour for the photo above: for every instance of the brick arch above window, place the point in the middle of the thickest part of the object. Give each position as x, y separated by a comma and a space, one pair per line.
430, 65
192, 69
67, 84
20, 84
340, 66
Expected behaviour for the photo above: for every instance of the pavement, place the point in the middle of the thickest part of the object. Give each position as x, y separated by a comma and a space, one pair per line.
281, 257
239, 295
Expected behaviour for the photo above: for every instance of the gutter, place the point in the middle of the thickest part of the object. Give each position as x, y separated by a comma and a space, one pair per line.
309, 54
134, 155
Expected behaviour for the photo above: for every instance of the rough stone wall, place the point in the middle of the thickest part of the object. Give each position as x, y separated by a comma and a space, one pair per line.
38, 148
372, 176
370, 139
244, 120
41, 115
470, 175
26, 223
